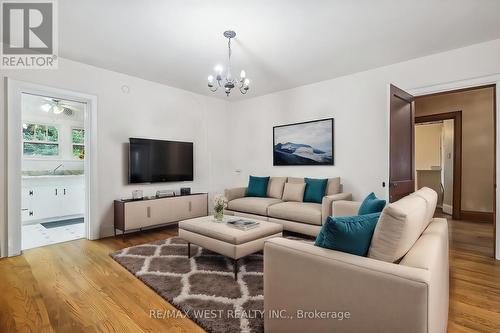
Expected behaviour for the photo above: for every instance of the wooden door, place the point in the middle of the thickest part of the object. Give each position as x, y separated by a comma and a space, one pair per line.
402, 144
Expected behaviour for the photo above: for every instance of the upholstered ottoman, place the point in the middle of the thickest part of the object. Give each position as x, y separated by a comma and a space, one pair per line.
223, 239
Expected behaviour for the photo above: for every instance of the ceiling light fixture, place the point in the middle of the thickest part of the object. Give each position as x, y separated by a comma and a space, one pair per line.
56, 106
58, 109
228, 82
46, 107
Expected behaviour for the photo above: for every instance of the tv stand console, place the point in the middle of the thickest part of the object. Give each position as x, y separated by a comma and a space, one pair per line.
138, 214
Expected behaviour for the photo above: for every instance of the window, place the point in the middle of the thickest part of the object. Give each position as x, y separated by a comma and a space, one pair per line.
40, 140
78, 139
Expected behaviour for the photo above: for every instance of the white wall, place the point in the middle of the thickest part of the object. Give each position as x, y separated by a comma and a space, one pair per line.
150, 110
359, 104
239, 135
428, 146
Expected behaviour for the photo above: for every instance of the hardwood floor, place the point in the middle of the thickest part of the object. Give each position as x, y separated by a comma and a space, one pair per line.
474, 278
77, 287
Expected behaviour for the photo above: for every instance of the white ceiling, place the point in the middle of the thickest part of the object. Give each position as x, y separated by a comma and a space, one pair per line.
32, 108
281, 43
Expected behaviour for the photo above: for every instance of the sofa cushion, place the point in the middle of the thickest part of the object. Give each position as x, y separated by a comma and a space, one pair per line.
315, 189
275, 187
252, 205
371, 205
305, 212
295, 180
257, 187
400, 225
294, 192
350, 234
333, 186
430, 196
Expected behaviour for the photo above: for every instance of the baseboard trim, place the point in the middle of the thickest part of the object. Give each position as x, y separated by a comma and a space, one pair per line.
470, 215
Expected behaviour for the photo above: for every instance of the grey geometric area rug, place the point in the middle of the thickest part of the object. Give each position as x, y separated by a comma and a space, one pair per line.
203, 287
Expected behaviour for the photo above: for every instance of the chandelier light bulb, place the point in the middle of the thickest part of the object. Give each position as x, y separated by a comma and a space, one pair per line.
218, 69
246, 83
243, 75
210, 78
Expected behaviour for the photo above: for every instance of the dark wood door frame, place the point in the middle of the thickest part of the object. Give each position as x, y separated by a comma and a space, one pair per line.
457, 154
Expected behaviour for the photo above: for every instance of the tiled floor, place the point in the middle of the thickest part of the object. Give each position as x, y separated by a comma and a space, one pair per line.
35, 235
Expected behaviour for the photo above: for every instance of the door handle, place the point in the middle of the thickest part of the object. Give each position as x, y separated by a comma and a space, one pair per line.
56, 191
190, 206
149, 211
31, 192
30, 213
64, 191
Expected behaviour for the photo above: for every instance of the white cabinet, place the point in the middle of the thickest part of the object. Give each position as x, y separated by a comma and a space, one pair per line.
52, 197
26, 212
71, 200
44, 202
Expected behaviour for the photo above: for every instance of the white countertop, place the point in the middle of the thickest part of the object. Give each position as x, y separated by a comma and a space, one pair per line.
51, 176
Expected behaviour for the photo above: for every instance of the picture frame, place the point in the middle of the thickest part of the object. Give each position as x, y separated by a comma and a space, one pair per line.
304, 143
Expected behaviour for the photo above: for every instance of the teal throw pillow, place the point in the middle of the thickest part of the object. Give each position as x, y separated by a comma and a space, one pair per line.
350, 234
315, 189
371, 204
257, 187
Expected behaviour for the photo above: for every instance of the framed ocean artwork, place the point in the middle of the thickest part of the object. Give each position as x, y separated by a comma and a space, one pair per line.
306, 143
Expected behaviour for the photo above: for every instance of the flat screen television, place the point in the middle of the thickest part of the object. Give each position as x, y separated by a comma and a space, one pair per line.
156, 161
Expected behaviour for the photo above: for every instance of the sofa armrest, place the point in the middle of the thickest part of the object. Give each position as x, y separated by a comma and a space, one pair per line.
234, 193
376, 296
326, 204
430, 252
345, 208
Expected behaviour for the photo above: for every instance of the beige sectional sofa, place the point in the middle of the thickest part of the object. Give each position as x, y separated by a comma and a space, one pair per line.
402, 286
302, 217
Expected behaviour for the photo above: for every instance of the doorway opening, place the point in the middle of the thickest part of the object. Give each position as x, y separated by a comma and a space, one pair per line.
438, 158
455, 152
52, 170
56, 99
473, 199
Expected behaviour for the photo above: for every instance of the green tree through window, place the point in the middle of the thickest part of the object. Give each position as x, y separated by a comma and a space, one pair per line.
40, 140
78, 137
